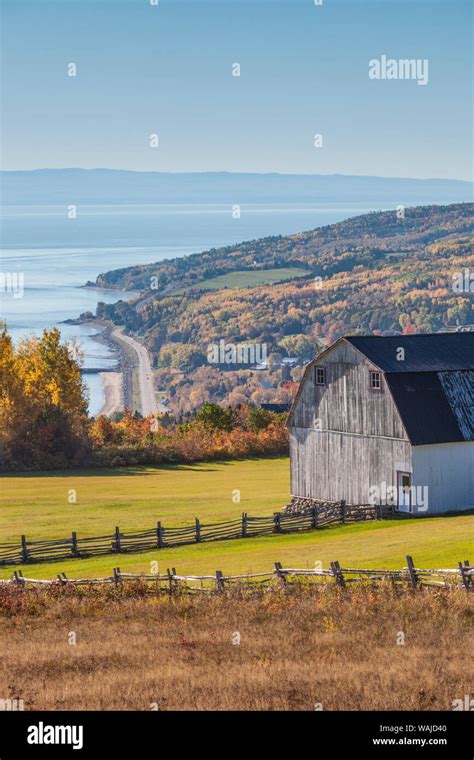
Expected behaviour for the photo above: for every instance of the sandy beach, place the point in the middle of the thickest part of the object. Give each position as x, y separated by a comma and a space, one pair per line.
113, 390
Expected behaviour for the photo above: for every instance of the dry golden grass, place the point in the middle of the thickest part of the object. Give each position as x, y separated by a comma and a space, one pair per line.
297, 648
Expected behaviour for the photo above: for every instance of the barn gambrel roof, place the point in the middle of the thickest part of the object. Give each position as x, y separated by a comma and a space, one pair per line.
435, 407
434, 352
432, 385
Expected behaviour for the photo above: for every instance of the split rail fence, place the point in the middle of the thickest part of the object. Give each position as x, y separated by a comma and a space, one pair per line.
173, 583
161, 537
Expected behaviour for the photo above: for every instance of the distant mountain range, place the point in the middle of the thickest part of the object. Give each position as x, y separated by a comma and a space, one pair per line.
115, 186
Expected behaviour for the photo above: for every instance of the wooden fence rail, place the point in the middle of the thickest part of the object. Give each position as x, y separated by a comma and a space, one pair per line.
171, 582
160, 537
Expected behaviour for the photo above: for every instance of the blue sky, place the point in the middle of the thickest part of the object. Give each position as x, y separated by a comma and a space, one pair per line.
304, 70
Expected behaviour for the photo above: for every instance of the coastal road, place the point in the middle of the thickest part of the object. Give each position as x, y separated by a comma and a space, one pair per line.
148, 402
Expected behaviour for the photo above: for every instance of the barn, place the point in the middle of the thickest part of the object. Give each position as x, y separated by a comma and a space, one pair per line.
387, 420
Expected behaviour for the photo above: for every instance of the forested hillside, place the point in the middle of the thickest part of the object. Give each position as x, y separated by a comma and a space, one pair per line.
376, 273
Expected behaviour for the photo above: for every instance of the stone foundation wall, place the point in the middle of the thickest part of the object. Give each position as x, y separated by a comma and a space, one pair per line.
301, 505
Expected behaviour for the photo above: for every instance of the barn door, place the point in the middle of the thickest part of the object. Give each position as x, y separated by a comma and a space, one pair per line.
403, 491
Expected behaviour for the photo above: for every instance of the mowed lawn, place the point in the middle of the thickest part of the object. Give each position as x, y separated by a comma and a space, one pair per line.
42, 505
37, 505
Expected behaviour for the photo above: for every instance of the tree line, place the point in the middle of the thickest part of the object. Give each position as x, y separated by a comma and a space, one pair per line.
44, 422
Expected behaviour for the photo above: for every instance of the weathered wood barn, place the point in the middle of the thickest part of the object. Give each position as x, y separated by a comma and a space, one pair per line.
387, 420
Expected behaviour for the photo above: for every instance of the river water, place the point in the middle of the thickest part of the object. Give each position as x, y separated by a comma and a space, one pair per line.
55, 256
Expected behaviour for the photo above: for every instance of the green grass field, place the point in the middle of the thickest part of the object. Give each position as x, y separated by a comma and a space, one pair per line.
245, 279
133, 498
37, 505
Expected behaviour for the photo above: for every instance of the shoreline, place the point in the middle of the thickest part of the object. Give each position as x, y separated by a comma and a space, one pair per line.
130, 385
117, 391
112, 384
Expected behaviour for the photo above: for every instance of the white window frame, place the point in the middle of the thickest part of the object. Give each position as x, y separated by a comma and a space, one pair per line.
375, 375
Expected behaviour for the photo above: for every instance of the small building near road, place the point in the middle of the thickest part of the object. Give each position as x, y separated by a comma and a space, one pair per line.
387, 420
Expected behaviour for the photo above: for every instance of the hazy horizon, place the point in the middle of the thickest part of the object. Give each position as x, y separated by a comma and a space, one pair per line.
228, 171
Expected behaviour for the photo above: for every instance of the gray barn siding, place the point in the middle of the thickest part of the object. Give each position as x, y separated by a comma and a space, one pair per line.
347, 404
333, 466
328, 465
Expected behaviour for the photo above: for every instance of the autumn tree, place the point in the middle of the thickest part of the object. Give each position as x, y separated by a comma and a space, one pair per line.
43, 402
214, 416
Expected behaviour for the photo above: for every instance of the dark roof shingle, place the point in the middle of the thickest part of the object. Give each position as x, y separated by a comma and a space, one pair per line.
429, 413
437, 352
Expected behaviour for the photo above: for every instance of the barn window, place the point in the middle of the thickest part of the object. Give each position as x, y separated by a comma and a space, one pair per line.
320, 376
375, 380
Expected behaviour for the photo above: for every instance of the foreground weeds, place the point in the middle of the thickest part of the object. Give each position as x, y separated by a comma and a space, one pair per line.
369, 647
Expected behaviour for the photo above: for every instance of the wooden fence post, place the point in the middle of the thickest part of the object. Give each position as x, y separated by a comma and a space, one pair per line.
411, 571
338, 576
465, 578
74, 550
219, 580
24, 549
19, 577
170, 581
343, 511
469, 577
276, 520
117, 539
198, 530
244, 524
159, 535
280, 575
314, 518
116, 575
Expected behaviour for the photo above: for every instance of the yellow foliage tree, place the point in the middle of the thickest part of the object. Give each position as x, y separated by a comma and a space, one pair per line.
43, 401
